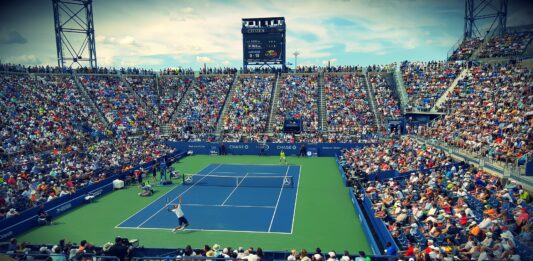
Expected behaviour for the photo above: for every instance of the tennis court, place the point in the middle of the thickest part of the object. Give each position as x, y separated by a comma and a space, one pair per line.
228, 197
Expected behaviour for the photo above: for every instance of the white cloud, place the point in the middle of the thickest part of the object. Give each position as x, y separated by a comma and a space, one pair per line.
192, 32
187, 10
363, 47
330, 61
128, 40
24, 59
203, 59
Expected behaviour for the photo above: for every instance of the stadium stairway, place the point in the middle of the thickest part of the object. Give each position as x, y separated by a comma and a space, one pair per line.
149, 109
274, 101
227, 101
402, 93
452, 86
92, 104
322, 103
173, 115
182, 102
370, 94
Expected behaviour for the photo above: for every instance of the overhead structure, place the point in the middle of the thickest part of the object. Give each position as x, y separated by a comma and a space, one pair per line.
263, 41
485, 17
74, 31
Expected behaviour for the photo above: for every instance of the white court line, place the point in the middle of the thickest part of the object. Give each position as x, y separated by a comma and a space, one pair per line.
238, 184
279, 197
296, 199
255, 173
207, 230
189, 188
153, 202
229, 206
266, 164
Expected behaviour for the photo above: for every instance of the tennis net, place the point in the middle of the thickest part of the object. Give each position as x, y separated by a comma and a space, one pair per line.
241, 181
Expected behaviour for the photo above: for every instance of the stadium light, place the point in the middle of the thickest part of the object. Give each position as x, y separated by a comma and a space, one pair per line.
296, 53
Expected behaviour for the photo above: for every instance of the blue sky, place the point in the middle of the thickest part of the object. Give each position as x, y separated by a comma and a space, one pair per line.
160, 34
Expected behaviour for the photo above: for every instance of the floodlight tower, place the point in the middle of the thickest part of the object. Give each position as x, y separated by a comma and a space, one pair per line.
296, 53
478, 10
74, 31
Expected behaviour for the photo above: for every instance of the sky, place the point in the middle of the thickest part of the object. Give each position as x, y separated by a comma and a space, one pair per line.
160, 34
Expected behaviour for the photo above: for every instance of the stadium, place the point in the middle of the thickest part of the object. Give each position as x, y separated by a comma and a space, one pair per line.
266, 130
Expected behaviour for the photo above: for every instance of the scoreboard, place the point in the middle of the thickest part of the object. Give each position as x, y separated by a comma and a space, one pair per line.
263, 48
263, 41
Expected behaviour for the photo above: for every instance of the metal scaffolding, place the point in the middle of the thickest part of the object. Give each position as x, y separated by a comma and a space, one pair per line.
74, 31
478, 12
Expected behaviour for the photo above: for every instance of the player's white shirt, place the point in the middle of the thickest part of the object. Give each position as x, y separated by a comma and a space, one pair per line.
178, 211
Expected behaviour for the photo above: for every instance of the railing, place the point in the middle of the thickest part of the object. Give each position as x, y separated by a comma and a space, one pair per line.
454, 47
500, 168
404, 101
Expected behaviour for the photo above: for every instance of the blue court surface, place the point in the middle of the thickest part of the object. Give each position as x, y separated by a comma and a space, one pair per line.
228, 197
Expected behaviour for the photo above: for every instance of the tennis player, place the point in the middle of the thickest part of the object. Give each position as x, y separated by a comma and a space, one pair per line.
282, 157
182, 221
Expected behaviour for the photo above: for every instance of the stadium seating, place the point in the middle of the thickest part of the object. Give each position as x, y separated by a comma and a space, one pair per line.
488, 113
458, 211
200, 109
249, 108
347, 106
120, 105
465, 49
387, 101
171, 90
298, 99
402, 155
425, 82
54, 141
144, 87
44, 112
506, 45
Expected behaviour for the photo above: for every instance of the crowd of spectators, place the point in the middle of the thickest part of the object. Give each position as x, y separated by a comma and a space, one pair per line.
381, 68
32, 179
506, 45
488, 113
465, 49
118, 103
249, 108
404, 154
347, 105
328, 69
42, 112
112, 70
19, 68
454, 213
145, 89
298, 99
124, 249
200, 108
177, 71
171, 90
215, 70
386, 98
425, 82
